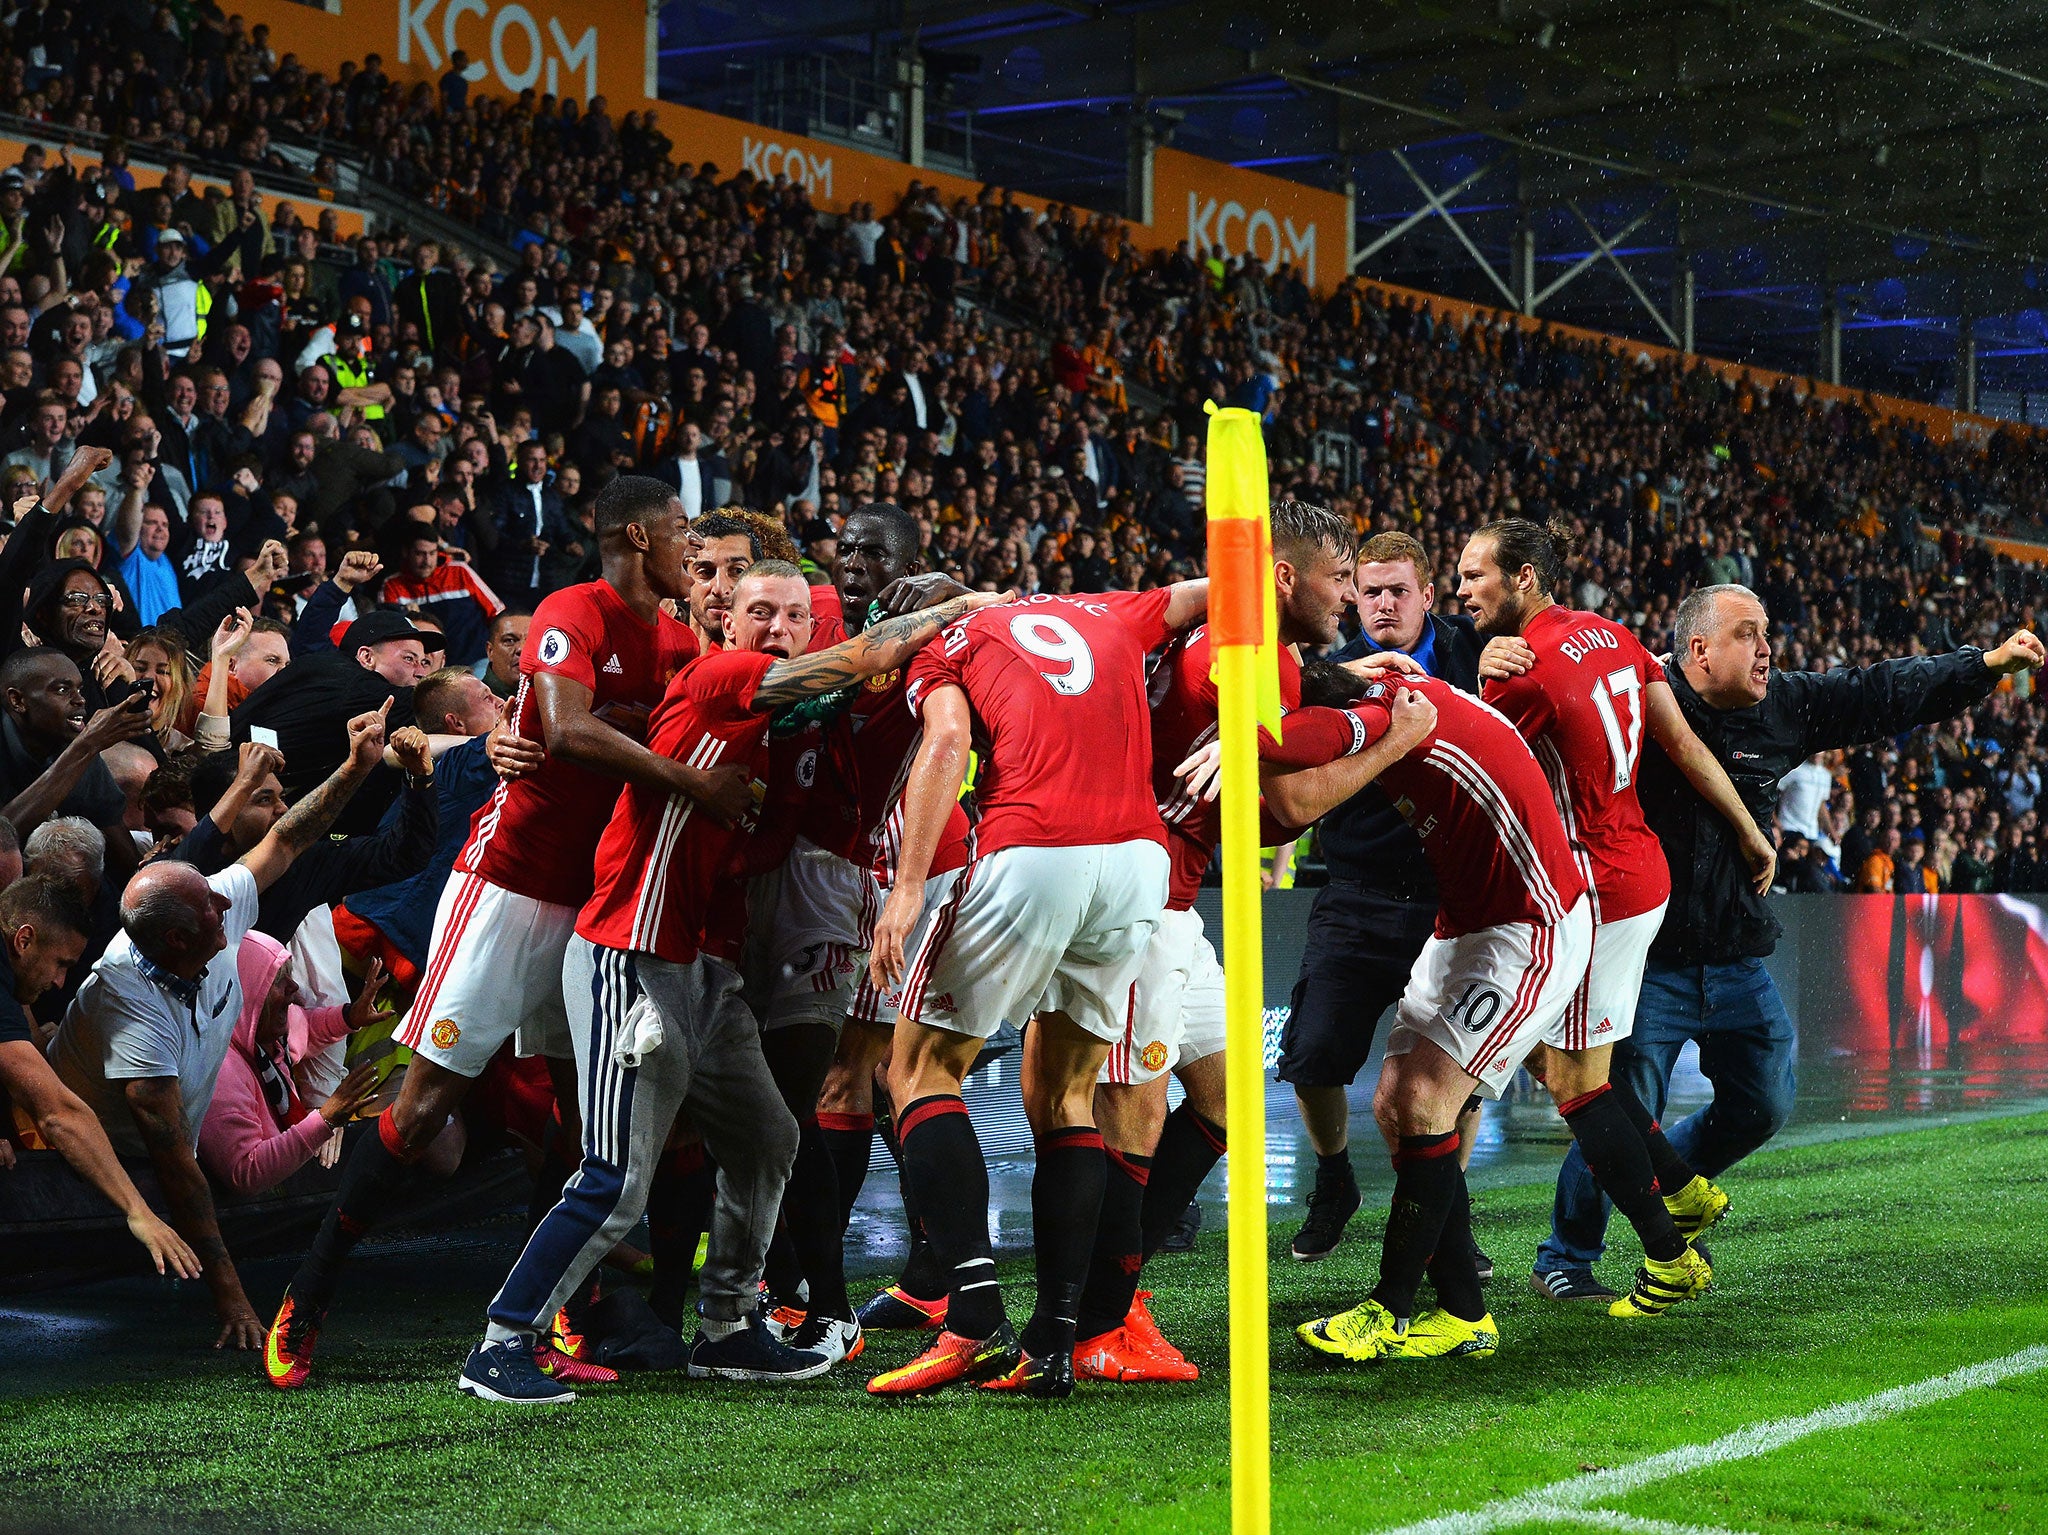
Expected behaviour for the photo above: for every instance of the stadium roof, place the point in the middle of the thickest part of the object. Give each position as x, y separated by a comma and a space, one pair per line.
1865, 174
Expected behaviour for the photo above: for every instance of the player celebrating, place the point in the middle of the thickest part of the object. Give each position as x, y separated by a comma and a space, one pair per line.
1051, 918
596, 659
1513, 932
1586, 699
1157, 1160
1584, 705
642, 935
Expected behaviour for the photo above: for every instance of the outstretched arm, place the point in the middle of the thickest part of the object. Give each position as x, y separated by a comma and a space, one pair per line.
1304, 797
1689, 754
936, 775
159, 1109
876, 649
74, 1132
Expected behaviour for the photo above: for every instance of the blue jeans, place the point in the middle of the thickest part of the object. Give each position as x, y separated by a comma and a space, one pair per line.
1746, 1045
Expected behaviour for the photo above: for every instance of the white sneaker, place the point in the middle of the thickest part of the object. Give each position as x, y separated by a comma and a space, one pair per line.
829, 1336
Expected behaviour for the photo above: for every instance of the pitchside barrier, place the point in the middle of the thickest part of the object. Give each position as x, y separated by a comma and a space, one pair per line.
1941, 995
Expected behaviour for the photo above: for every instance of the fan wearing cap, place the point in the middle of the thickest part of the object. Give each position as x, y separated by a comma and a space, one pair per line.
308, 705
183, 301
354, 367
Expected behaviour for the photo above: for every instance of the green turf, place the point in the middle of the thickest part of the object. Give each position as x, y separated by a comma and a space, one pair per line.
1847, 1268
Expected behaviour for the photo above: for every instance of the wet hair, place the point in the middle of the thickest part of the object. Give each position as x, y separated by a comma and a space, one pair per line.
1325, 684
1517, 542
1302, 527
631, 498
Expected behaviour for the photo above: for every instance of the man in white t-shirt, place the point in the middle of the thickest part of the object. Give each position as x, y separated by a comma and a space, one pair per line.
1801, 794
143, 1040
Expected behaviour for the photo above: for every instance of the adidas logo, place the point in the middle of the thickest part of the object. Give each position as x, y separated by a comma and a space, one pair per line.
612, 667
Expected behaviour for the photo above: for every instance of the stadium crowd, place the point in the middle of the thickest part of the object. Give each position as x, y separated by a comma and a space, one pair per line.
283, 502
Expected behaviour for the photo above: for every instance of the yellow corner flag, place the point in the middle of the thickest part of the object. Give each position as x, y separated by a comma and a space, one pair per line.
1244, 647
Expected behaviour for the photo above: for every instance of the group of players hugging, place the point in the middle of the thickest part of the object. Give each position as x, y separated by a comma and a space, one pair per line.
747, 898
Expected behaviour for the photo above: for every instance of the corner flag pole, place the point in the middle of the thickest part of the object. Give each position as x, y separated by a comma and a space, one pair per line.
1243, 645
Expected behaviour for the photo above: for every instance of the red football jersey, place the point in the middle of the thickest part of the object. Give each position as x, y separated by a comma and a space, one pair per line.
1482, 807
1057, 686
885, 740
536, 835
659, 862
1581, 709
1183, 718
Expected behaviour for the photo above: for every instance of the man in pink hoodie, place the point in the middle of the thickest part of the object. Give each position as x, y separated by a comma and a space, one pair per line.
258, 1132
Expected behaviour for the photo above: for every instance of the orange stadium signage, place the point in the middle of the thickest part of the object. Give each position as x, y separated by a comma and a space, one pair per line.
607, 48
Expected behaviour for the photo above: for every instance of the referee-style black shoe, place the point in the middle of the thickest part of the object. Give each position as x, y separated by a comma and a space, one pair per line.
1331, 1203
1570, 1284
1182, 1238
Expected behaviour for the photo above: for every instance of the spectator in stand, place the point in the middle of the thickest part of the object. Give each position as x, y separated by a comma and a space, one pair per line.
44, 928
499, 668
143, 1042
450, 590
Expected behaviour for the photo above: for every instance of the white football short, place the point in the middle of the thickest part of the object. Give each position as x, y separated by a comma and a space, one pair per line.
1604, 1011
813, 950
494, 970
1038, 929
1489, 997
1176, 1012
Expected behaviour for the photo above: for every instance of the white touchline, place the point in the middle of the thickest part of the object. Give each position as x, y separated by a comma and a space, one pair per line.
1628, 1524
1546, 1505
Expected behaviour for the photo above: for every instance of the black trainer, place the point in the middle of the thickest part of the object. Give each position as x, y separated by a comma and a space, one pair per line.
753, 1354
1182, 1238
505, 1372
1482, 1263
1331, 1203
1570, 1284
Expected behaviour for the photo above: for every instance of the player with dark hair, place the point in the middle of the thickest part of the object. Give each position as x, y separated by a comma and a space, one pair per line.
1513, 932
1048, 921
1175, 1025
640, 949
1589, 696
808, 977
596, 661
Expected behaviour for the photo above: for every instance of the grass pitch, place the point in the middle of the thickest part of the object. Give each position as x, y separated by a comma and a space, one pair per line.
1846, 1269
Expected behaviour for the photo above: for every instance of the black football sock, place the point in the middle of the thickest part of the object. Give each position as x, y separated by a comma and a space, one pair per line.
377, 1172
780, 1268
1113, 1266
1426, 1182
679, 1202
921, 1275
944, 1170
1620, 1164
850, 1142
1451, 1268
1672, 1170
1189, 1146
810, 1214
1066, 1209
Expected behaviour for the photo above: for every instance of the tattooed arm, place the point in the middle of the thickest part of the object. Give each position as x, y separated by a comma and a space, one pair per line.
307, 821
876, 649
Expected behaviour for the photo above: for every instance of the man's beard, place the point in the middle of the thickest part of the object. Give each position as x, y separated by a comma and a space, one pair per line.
1506, 620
